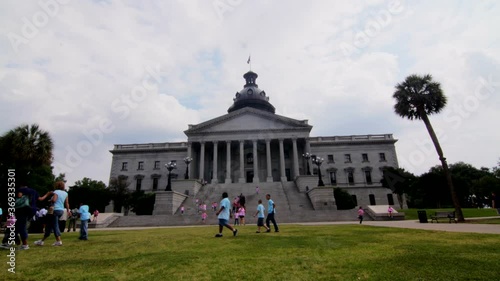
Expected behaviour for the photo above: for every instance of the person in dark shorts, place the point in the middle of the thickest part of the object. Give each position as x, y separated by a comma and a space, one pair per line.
224, 214
260, 217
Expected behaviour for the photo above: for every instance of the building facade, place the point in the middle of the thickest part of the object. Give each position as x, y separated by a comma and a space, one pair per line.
252, 144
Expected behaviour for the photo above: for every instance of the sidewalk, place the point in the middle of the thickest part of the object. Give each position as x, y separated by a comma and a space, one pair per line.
411, 224
415, 224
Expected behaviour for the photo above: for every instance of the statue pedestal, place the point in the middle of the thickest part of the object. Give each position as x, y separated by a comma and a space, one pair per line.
167, 202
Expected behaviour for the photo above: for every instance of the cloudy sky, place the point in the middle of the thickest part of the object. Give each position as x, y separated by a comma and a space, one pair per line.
98, 73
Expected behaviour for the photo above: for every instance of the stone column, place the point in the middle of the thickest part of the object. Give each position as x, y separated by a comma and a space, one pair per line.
282, 162
295, 158
189, 144
242, 163
228, 162
268, 156
308, 149
214, 173
202, 161
255, 163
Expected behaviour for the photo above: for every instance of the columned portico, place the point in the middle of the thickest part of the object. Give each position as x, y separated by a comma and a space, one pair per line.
228, 161
202, 160
189, 154
282, 162
295, 159
255, 163
214, 171
241, 179
268, 160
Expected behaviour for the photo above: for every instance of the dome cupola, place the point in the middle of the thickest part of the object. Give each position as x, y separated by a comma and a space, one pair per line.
251, 96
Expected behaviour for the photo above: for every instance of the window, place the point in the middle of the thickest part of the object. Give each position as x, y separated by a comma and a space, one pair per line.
368, 177
382, 157
372, 200
155, 183
390, 199
347, 158
124, 166
330, 158
157, 165
138, 184
365, 157
333, 178
350, 177
140, 165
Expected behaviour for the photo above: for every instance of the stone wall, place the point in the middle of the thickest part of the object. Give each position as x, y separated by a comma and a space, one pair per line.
322, 198
167, 202
306, 183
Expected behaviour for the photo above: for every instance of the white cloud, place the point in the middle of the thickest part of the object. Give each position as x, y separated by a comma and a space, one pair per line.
91, 55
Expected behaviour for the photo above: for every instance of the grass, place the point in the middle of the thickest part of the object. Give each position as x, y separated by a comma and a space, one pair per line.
331, 252
411, 214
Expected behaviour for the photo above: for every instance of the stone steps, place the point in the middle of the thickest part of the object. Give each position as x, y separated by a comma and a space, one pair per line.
291, 206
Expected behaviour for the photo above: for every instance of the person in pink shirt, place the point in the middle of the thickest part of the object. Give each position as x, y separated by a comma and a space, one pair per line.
204, 217
241, 214
236, 217
390, 210
182, 209
361, 213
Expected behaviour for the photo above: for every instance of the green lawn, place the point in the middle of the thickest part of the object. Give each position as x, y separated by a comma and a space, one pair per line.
332, 252
411, 214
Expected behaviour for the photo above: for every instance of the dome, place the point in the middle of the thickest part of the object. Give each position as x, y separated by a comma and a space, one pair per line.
251, 96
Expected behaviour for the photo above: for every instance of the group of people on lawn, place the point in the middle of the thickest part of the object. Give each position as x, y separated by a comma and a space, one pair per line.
225, 212
26, 210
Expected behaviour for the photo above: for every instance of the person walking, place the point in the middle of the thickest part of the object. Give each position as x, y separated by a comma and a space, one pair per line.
72, 219
260, 217
223, 216
270, 214
60, 200
23, 215
361, 213
84, 221
495, 202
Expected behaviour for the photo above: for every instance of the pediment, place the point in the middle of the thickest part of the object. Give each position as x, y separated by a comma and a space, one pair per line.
248, 119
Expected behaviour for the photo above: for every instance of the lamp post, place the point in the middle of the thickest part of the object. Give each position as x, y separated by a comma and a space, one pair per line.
318, 161
187, 160
170, 166
307, 155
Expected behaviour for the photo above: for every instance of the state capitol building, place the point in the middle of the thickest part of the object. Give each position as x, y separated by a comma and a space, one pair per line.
252, 144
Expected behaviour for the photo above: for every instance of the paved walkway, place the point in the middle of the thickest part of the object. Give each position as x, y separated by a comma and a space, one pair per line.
415, 224
411, 224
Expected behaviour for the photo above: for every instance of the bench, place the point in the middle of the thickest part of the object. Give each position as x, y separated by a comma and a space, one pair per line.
443, 215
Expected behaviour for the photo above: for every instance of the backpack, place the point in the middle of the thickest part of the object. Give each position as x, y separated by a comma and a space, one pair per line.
22, 202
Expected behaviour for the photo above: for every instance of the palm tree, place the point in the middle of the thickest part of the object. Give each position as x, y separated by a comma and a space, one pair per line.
26, 147
416, 98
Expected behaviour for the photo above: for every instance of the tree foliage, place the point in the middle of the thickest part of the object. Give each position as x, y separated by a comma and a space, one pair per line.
28, 150
120, 194
343, 199
416, 98
90, 192
142, 203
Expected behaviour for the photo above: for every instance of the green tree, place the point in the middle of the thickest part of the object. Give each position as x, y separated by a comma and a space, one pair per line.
120, 194
142, 203
28, 150
416, 98
398, 180
91, 192
343, 199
